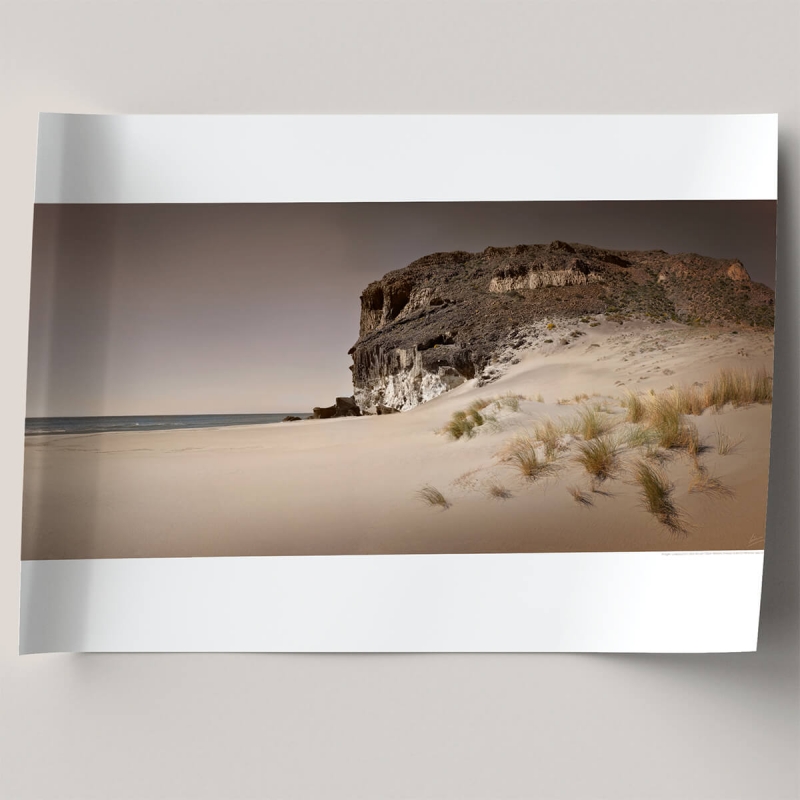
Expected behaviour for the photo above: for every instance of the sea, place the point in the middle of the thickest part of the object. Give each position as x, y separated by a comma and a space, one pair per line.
41, 426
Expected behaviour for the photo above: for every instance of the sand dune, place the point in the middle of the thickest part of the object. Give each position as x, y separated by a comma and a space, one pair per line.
350, 485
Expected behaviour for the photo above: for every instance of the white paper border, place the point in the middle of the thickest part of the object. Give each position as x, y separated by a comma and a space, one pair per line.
557, 602
273, 159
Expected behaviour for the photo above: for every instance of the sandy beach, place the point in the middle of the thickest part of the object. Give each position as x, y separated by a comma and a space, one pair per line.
350, 485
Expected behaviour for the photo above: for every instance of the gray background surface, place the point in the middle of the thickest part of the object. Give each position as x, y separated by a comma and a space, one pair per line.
403, 726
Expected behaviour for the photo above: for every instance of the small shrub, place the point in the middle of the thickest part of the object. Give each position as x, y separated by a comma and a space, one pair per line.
550, 326
548, 341
539, 398
433, 497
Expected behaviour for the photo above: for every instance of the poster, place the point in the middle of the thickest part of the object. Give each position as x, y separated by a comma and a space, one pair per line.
399, 383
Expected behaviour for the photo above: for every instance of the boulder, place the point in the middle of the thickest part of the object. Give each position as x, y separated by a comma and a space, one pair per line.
342, 407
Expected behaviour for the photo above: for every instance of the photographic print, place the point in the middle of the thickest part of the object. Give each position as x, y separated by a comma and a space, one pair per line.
399, 383
257, 380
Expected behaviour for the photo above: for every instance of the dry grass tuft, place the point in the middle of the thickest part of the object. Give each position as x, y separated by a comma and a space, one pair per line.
520, 453
549, 434
672, 431
739, 388
433, 497
497, 491
638, 436
702, 482
460, 426
657, 496
592, 422
635, 406
725, 444
599, 457
582, 498
510, 400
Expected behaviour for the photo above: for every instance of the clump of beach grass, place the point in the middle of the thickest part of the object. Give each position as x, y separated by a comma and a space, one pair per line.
739, 388
702, 482
656, 491
635, 406
497, 491
672, 431
549, 434
599, 457
638, 436
431, 496
725, 444
592, 422
582, 498
520, 453
460, 426
510, 400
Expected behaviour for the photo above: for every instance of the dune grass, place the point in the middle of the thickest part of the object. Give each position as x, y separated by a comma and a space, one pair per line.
726, 445
497, 491
520, 453
582, 498
635, 406
463, 423
739, 388
591, 423
510, 400
460, 426
431, 496
656, 493
638, 436
702, 482
599, 457
549, 434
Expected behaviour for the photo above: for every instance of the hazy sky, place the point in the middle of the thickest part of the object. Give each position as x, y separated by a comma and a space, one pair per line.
181, 309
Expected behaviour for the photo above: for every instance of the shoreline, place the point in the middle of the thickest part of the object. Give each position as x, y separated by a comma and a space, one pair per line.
336, 487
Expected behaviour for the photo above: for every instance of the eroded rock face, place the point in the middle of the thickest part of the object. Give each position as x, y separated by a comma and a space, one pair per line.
429, 327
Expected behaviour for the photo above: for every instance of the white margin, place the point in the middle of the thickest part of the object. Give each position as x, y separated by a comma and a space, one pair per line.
546, 602
272, 159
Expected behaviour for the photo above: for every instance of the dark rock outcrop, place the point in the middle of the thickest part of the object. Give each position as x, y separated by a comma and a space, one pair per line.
343, 407
291, 418
437, 323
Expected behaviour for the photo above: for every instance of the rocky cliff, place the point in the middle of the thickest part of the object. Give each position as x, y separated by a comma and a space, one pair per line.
439, 321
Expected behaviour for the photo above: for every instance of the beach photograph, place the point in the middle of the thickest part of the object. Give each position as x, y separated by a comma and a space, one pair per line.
398, 378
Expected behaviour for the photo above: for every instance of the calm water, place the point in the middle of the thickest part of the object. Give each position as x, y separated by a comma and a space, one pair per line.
37, 426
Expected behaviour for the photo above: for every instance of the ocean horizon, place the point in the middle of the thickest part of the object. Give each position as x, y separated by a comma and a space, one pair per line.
44, 426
